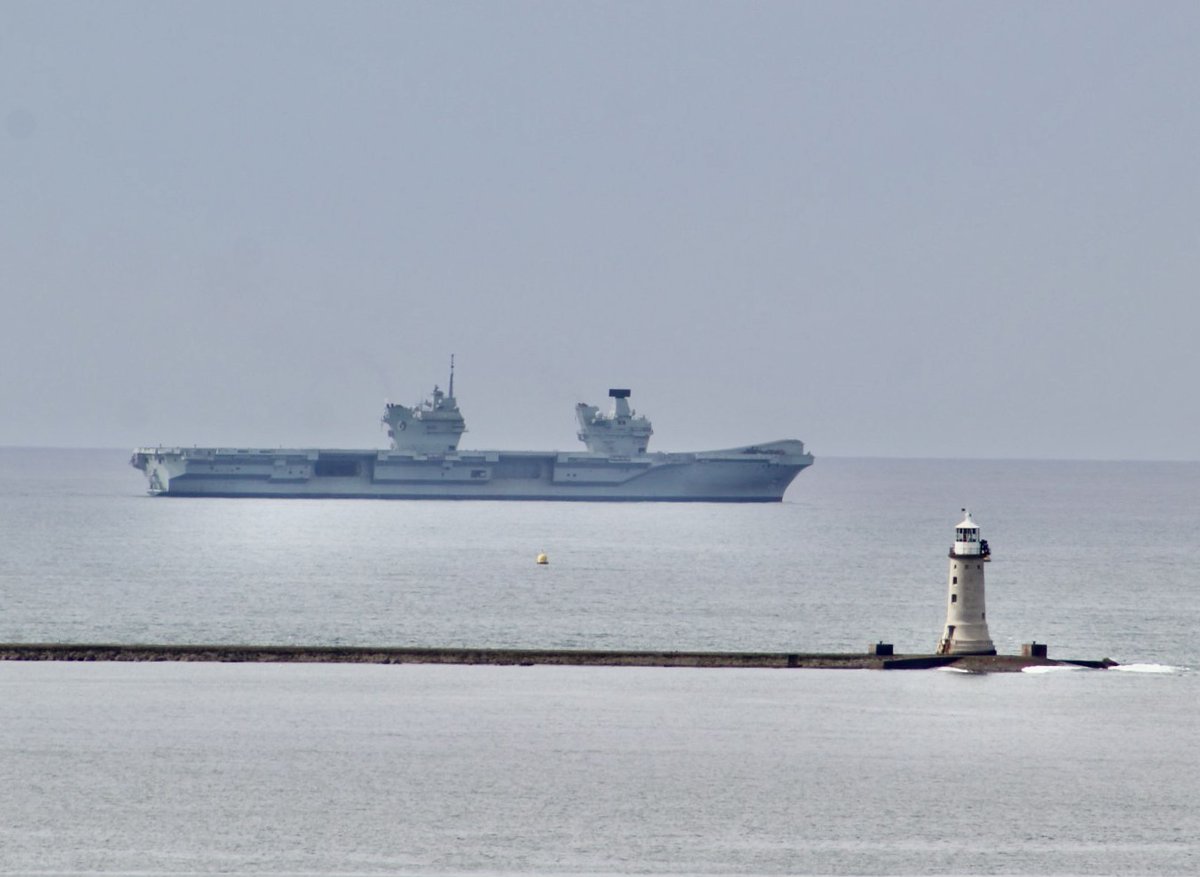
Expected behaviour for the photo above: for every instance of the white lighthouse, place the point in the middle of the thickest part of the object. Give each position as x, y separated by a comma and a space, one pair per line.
966, 630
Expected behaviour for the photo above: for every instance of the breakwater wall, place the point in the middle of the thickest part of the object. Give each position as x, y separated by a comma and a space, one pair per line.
519, 657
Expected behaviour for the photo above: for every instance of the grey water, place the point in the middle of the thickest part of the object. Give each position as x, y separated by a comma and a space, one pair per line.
252, 769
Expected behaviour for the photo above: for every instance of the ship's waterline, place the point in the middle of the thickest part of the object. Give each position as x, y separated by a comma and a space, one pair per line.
424, 462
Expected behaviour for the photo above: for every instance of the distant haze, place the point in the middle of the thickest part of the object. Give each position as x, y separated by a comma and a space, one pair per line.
897, 229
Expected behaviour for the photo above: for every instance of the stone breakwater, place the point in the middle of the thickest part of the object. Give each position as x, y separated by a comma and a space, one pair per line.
522, 657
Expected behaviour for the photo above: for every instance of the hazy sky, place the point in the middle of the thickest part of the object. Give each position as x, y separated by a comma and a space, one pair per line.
898, 229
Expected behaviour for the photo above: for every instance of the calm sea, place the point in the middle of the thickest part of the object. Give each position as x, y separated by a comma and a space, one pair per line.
251, 769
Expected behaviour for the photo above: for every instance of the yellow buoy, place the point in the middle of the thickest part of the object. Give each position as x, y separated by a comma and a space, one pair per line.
542, 559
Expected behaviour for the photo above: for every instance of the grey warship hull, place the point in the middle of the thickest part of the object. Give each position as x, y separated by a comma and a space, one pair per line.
755, 473
425, 462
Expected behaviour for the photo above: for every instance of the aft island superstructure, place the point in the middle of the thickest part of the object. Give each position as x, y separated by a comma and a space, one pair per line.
425, 462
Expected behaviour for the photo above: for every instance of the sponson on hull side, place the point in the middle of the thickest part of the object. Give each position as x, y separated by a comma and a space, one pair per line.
424, 462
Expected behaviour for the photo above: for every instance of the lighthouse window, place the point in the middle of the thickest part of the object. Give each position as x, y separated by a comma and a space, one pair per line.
954, 581
954, 598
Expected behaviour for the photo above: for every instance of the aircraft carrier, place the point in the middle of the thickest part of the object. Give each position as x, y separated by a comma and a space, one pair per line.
424, 462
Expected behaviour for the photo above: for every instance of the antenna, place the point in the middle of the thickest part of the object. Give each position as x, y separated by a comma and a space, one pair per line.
451, 393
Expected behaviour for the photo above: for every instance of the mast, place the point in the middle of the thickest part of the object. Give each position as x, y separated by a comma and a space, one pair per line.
451, 393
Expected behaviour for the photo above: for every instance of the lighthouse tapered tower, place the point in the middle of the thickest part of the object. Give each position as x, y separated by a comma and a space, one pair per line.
966, 630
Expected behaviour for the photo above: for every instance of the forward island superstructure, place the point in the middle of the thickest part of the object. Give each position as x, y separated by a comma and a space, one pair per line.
425, 462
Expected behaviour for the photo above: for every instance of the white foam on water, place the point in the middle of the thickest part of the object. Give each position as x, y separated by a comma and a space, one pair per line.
1052, 668
1148, 668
